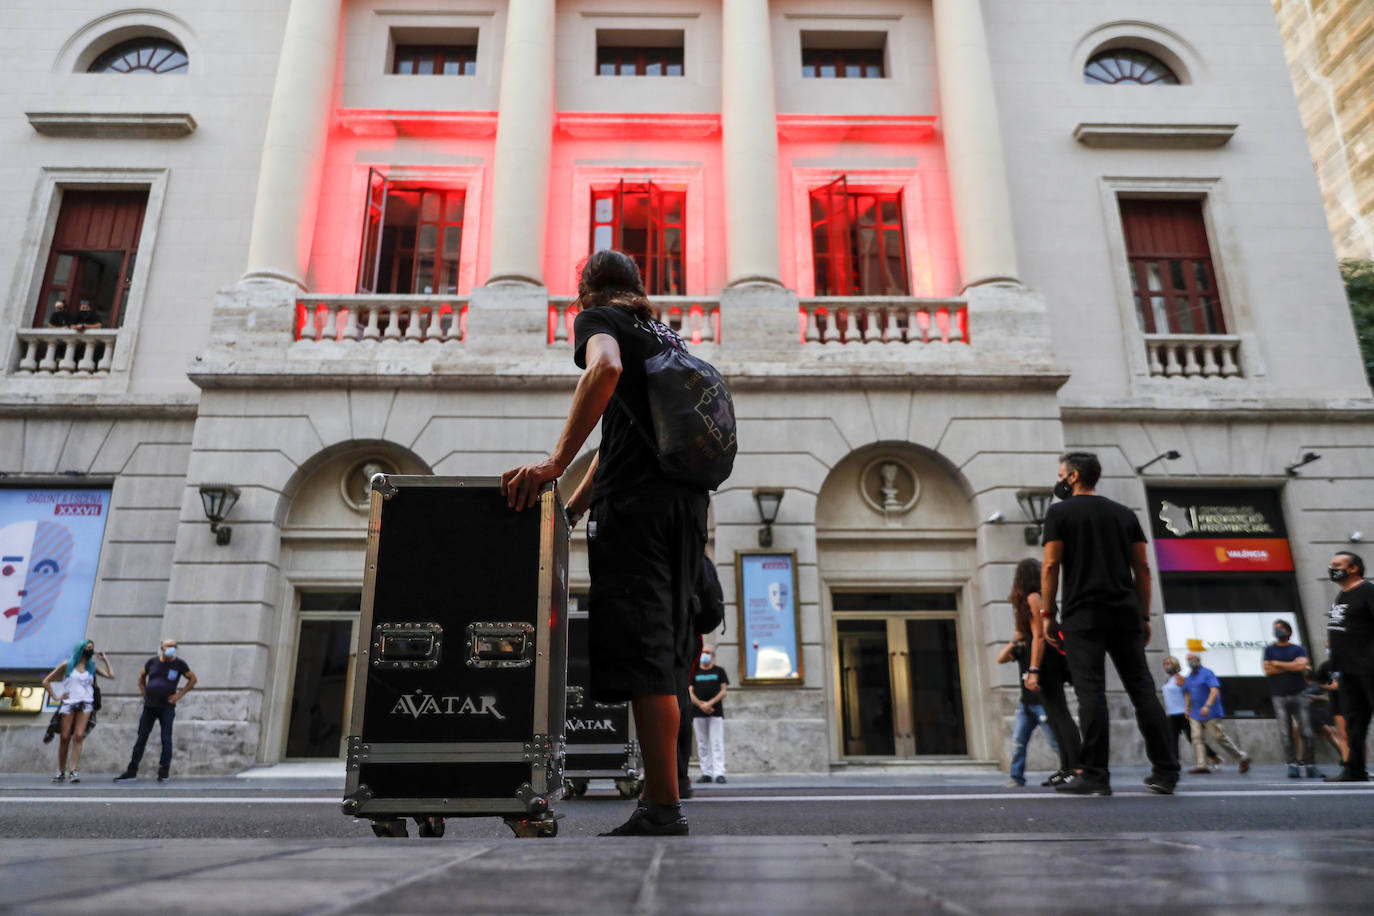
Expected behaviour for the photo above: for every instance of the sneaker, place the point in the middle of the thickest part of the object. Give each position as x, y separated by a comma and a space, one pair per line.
1078, 785
1245, 764
60, 777
1056, 779
1314, 773
162, 779
1161, 785
641, 824
73, 776
1201, 771
126, 776
1347, 776
703, 778
1293, 772
720, 779
1013, 784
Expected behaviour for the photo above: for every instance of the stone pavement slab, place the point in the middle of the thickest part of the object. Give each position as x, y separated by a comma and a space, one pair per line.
1250, 872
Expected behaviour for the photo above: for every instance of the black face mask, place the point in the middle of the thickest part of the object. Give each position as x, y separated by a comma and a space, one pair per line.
1338, 575
1281, 634
88, 653
1063, 489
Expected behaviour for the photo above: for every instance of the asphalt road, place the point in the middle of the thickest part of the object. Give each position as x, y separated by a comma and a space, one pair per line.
224, 809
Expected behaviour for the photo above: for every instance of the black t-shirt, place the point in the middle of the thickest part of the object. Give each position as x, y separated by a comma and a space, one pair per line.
164, 679
1022, 655
706, 683
1350, 626
627, 462
1097, 587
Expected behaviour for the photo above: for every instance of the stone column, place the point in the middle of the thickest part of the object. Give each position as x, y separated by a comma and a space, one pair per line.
524, 144
749, 142
973, 145
294, 145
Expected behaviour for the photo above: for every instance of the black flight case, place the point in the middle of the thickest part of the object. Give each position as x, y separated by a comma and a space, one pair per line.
462, 663
600, 737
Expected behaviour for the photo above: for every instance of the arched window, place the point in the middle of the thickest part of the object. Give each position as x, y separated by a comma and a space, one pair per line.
142, 55
1125, 66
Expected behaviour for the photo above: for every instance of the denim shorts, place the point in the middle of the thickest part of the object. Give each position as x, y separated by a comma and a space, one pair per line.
86, 706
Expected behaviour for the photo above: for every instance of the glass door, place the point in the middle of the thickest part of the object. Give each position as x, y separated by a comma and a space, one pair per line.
322, 682
900, 693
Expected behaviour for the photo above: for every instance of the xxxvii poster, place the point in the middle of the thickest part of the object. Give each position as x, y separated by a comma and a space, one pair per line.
49, 552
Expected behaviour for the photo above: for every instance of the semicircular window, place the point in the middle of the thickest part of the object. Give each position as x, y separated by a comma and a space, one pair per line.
142, 55
1128, 67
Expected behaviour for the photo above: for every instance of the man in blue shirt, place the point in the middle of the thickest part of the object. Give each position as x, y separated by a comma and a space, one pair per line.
1286, 663
1202, 700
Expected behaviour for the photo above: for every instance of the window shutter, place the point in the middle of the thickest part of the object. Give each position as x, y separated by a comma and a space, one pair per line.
840, 230
374, 219
1172, 275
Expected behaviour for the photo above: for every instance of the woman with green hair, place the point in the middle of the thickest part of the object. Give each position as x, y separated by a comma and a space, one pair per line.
77, 676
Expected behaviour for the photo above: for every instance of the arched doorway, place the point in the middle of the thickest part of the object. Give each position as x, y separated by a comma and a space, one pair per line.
323, 549
895, 537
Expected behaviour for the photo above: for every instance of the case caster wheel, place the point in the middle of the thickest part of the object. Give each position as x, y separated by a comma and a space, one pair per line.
526, 829
576, 788
430, 826
390, 829
629, 788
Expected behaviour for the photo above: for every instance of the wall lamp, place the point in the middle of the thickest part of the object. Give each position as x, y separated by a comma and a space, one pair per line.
218, 499
1034, 504
768, 500
1309, 457
1170, 455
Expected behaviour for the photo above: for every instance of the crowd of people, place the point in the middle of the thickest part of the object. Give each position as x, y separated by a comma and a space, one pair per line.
1095, 562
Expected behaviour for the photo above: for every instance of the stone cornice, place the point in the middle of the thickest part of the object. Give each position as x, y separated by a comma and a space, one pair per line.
112, 406
112, 125
1127, 135
1254, 410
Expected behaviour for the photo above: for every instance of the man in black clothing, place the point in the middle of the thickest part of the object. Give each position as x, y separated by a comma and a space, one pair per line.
1099, 547
164, 680
645, 533
1350, 627
708, 611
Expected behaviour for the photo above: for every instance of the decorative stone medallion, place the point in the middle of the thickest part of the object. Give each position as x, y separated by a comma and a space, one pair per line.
889, 487
354, 485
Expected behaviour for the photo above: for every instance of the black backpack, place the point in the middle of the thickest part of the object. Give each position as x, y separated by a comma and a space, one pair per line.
708, 602
692, 412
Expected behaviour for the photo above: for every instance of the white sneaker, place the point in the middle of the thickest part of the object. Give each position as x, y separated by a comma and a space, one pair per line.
73, 776
60, 777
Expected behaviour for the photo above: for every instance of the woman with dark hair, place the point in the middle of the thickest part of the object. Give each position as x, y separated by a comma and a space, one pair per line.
646, 532
1049, 670
1029, 712
77, 699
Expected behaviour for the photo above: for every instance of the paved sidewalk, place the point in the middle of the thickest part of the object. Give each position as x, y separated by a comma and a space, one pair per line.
1254, 873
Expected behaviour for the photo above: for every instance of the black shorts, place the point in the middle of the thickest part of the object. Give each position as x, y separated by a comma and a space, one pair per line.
644, 554
1319, 714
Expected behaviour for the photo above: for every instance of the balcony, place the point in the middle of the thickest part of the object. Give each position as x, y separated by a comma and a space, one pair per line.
897, 320
696, 319
366, 320
58, 352
1193, 356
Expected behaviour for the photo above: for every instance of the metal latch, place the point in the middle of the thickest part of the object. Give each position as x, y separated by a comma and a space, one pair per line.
576, 696
407, 645
500, 645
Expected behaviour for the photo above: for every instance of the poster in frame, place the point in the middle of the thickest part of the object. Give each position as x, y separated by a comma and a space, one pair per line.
769, 618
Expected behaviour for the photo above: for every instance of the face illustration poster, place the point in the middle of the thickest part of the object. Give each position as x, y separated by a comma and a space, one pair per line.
49, 552
769, 631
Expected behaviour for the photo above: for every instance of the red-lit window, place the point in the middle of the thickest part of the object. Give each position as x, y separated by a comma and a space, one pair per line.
1172, 277
92, 257
837, 63
649, 224
857, 242
436, 60
412, 238
632, 61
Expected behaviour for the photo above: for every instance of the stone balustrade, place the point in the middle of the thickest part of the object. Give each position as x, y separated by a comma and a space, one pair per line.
367, 318
828, 320
695, 318
1193, 355
63, 352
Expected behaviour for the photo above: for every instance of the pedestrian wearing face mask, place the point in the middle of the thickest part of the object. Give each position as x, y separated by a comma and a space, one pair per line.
1285, 664
1175, 707
1202, 697
1350, 626
1098, 548
709, 685
165, 679
76, 693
